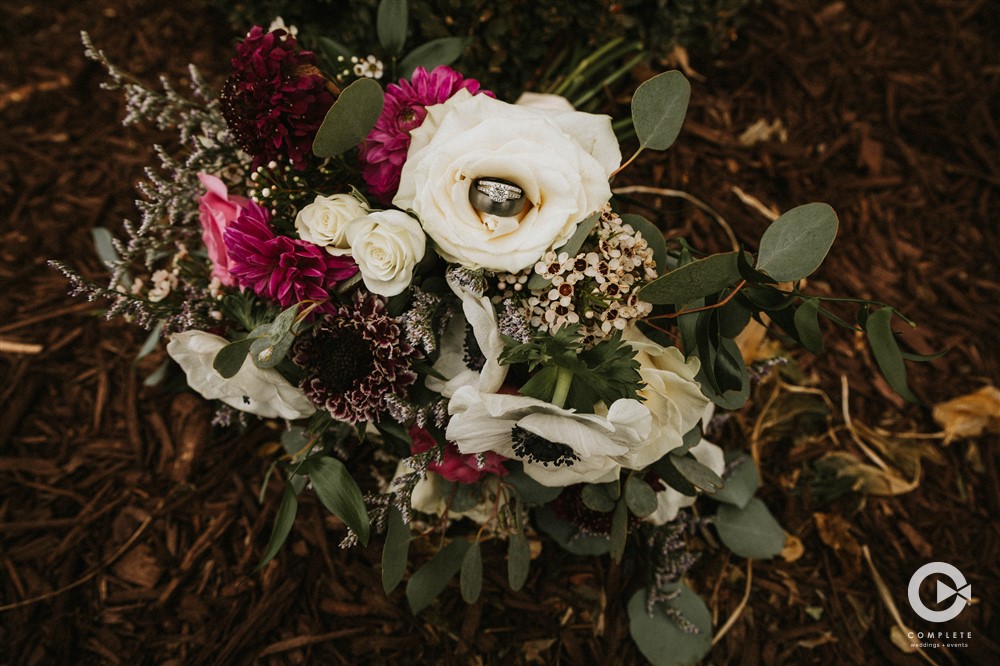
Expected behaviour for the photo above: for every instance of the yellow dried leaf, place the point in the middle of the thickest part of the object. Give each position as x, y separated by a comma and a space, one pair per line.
970, 415
900, 640
836, 533
793, 549
868, 478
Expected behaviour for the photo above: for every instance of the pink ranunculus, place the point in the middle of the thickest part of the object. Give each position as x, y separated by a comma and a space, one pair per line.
217, 210
456, 466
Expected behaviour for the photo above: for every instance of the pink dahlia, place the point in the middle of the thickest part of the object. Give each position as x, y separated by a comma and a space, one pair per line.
454, 465
406, 102
356, 362
275, 99
283, 269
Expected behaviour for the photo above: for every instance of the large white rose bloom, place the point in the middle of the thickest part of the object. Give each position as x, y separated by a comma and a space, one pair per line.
669, 501
561, 159
386, 245
324, 222
559, 447
671, 394
262, 392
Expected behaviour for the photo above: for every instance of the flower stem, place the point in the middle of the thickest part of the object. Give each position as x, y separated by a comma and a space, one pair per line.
563, 381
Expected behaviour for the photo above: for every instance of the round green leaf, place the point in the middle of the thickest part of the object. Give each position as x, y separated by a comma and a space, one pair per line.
751, 531
796, 243
229, 359
443, 51
658, 109
350, 119
693, 281
658, 636
699, 475
807, 325
641, 499
741, 484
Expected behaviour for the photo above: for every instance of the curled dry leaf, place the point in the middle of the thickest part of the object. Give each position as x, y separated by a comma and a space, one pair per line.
836, 533
970, 415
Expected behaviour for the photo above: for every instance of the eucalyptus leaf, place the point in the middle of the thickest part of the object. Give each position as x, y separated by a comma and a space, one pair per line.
396, 550
350, 119
619, 531
750, 531
471, 578
529, 490
887, 353
595, 497
698, 474
795, 244
339, 493
104, 245
268, 352
518, 561
690, 439
693, 281
727, 368
431, 579
150, 344
660, 639
658, 109
641, 499
652, 235
283, 521
741, 483
669, 474
566, 535
331, 49
443, 51
230, 358
807, 325
390, 25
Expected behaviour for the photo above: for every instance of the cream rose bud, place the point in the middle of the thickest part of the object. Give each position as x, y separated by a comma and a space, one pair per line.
324, 222
561, 159
386, 244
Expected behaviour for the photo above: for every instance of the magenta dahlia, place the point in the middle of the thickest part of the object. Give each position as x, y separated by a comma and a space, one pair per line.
455, 465
356, 362
406, 102
275, 99
283, 269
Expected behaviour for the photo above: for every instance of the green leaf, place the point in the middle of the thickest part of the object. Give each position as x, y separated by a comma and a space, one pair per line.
331, 48
518, 561
431, 579
741, 483
104, 245
733, 318
658, 109
443, 51
668, 473
796, 243
339, 493
471, 579
699, 475
750, 531
350, 119
652, 235
660, 639
692, 281
807, 325
887, 353
529, 490
728, 368
150, 344
619, 531
395, 551
230, 358
570, 247
568, 536
596, 498
641, 499
283, 521
391, 25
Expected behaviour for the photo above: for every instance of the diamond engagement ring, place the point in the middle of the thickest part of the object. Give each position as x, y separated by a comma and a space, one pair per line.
495, 196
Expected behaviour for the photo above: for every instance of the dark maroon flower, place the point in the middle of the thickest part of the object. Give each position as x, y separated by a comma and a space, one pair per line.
283, 269
356, 362
454, 465
275, 99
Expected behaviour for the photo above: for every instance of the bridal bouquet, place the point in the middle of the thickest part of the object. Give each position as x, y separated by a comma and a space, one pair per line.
420, 271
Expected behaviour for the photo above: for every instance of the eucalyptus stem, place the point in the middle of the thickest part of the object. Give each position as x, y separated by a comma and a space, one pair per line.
563, 380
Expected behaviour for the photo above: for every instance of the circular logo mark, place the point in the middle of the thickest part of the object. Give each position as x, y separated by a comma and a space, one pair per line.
962, 591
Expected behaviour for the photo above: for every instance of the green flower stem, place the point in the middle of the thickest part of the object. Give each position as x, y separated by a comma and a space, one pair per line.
608, 80
563, 381
583, 65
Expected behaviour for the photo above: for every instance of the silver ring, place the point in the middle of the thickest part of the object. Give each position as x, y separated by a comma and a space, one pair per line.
495, 196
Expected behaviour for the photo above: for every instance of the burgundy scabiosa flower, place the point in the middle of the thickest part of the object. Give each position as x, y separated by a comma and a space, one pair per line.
275, 99
283, 269
356, 361
406, 102
455, 465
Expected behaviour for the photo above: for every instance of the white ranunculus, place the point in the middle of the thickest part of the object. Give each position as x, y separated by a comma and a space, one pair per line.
324, 222
387, 245
559, 447
669, 501
561, 159
262, 392
671, 394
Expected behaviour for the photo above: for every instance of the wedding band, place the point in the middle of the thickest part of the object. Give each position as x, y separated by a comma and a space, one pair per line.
495, 196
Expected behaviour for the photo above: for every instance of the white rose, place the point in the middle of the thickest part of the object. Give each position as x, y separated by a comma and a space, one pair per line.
561, 159
386, 245
670, 393
669, 501
544, 101
262, 392
324, 222
429, 496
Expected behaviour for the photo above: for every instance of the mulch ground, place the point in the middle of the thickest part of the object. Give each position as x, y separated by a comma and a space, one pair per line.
128, 529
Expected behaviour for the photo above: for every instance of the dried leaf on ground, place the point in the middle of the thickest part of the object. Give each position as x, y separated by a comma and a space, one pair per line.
970, 415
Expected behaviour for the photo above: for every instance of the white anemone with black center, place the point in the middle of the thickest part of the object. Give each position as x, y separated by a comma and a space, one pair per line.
560, 159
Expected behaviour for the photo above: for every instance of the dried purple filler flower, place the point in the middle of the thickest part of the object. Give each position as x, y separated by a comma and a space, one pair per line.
356, 361
275, 99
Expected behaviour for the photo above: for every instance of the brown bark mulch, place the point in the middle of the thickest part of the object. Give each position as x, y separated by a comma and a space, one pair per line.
128, 528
